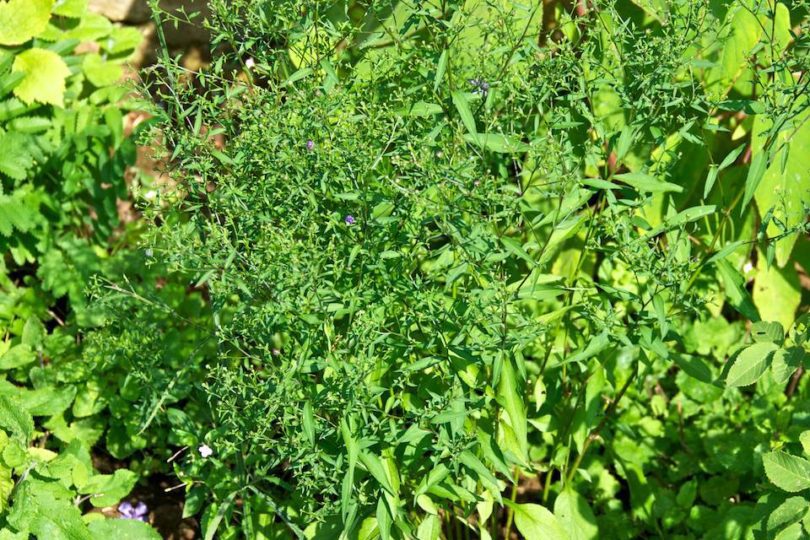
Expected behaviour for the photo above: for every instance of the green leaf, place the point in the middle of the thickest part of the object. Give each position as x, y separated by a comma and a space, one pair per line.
375, 467
108, 489
804, 438
70, 8
122, 529
786, 362
786, 191
750, 364
16, 420
45, 75
101, 72
771, 332
497, 142
777, 292
787, 472
20, 20
17, 356
535, 521
511, 399
430, 528
309, 423
647, 183
464, 112
575, 515
736, 293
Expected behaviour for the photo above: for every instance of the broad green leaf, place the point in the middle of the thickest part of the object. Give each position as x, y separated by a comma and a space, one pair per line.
122, 529
20, 20
750, 364
786, 362
787, 472
430, 528
786, 191
70, 8
535, 521
108, 489
384, 520
375, 467
101, 72
16, 420
647, 183
790, 511
575, 515
772, 332
777, 293
45, 75
741, 33
17, 356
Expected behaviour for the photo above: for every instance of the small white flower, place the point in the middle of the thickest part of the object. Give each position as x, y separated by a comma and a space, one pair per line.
205, 450
250, 63
748, 267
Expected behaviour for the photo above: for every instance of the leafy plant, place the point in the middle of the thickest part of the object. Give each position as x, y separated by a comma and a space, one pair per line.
475, 266
63, 177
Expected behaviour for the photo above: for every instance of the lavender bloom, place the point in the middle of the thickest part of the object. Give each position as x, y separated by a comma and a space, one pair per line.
349, 220
480, 86
138, 511
310, 145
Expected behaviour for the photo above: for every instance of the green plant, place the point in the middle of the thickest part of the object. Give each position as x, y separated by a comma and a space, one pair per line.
458, 248
63, 176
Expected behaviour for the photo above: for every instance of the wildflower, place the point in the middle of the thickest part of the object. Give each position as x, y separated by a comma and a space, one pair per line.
310, 145
349, 220
250, 63
139, 511
480, 86
276, 352
149, 252
205, 450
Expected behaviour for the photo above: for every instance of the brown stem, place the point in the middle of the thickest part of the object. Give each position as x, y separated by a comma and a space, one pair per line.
794, 382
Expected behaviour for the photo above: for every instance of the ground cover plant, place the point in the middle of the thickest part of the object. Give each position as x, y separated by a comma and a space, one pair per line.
450, 269
64, 179
483, 267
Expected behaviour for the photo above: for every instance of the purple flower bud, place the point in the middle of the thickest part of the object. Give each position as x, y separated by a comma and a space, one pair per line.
349, 220
310, 145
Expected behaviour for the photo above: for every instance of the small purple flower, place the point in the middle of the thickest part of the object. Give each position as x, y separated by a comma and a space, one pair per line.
310, 145
349, 220
480, 86
139, 511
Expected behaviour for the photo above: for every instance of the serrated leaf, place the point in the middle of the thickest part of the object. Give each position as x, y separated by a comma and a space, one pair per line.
101, 72
750, 364
766, 331
787, 472
786, 362
21, 20
122, 529
108, 489
45, 75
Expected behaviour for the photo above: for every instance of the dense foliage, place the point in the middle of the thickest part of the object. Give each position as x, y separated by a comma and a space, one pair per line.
64, 162
430, 269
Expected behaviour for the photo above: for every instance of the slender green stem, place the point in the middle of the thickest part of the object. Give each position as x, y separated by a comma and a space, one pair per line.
510, 513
